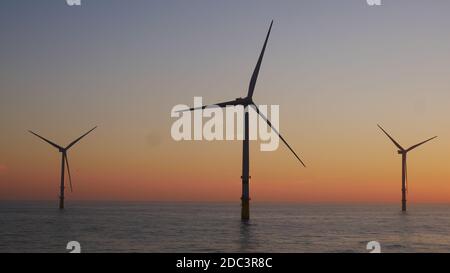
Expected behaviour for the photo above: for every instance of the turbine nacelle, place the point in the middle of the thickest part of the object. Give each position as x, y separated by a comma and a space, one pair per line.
244, 101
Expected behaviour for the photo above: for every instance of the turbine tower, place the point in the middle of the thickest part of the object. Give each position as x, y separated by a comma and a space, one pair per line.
246, 102
404, 153
64, 162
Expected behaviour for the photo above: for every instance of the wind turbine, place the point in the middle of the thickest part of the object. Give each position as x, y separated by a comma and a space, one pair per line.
404, 153
64, 162
246, 102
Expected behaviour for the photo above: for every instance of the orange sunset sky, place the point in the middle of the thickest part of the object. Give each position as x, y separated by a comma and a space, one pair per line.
336, 68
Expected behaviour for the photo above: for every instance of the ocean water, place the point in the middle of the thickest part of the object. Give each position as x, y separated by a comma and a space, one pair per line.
213, 227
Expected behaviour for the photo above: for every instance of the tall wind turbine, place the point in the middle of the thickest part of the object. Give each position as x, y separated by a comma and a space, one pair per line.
246, 102
64, 162
404, 153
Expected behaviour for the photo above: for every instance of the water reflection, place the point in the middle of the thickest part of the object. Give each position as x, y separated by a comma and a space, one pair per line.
245, 238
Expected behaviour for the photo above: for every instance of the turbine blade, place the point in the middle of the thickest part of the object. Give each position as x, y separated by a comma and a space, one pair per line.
275, 130
391, 138
78, 139
421, 143
46, 140
221, 105
254, 78
68, 171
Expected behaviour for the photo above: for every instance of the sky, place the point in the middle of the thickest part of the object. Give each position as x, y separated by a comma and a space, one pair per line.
335, 68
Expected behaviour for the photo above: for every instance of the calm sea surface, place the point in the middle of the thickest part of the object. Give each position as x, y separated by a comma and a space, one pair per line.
212, 227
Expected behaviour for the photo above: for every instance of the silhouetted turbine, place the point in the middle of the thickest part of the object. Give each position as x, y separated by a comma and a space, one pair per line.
64, 162
404, 153
248, 101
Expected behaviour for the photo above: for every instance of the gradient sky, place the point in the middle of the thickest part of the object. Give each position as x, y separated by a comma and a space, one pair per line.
336, 68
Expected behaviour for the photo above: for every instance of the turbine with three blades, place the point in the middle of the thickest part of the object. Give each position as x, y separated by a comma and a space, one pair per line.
248, 102
404, 153
64, 162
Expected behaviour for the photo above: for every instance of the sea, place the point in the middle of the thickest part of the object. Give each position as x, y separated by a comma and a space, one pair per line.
217, 228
